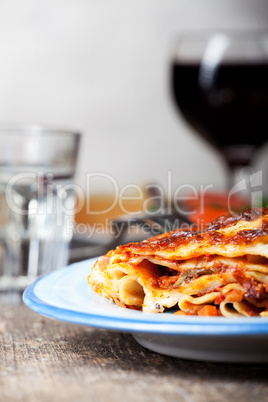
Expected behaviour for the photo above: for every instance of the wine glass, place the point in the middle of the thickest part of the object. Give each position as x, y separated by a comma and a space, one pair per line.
219, 81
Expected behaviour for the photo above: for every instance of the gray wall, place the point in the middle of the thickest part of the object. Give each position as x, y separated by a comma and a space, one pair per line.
102, 66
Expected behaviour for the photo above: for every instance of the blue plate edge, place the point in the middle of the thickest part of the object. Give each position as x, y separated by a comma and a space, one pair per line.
178, 327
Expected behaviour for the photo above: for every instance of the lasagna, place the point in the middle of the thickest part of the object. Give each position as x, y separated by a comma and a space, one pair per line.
221, 271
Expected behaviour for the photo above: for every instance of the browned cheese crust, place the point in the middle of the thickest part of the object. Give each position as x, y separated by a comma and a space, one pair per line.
231, 255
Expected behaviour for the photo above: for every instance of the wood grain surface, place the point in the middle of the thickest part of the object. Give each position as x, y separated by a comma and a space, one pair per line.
46, 360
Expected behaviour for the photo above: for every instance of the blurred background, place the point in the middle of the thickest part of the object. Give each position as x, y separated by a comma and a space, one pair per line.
103, 67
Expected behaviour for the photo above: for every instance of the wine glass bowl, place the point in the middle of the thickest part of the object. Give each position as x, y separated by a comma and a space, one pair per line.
219, 81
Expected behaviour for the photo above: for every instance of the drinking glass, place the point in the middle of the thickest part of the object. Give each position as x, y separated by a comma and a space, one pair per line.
219, 81
37, 200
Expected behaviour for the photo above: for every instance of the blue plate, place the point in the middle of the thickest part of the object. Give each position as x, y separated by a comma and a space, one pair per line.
65, 295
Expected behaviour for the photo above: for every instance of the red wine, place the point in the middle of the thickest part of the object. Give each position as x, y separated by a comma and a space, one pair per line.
229, 109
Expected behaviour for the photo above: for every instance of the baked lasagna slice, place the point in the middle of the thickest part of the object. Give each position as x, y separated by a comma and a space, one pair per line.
220, 271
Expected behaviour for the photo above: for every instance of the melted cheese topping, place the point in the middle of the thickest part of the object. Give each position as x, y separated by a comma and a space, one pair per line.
221, 271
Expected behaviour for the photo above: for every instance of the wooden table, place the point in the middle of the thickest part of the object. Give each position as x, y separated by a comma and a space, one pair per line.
47, 360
